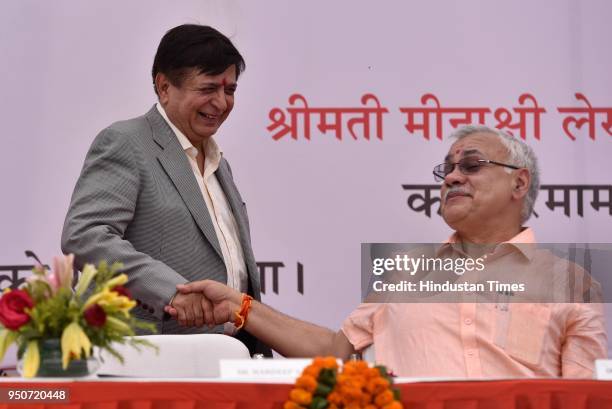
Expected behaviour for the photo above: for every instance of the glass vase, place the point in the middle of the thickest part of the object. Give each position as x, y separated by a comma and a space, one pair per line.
51, 362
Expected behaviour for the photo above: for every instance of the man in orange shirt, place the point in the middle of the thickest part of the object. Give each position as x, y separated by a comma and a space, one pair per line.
490, 181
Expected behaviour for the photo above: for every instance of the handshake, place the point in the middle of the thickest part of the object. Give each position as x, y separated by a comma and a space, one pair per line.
204, 302
212, 303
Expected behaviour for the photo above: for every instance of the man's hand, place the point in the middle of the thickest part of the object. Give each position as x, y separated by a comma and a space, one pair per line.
218, 302
188, 309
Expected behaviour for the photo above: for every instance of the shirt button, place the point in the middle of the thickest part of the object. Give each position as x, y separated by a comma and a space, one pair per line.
470, 353
468, 321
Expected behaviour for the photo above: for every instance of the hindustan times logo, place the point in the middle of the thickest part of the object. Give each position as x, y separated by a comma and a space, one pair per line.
412, 265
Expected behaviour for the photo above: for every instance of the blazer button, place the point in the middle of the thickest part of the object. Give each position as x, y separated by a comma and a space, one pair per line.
145, 306
151, 310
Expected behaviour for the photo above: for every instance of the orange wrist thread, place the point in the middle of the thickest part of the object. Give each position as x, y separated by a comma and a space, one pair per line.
243, 313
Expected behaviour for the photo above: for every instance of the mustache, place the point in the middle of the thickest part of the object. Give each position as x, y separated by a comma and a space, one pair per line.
455, 189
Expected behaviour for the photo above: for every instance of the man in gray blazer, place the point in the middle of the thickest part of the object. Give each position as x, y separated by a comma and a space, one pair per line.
156, 194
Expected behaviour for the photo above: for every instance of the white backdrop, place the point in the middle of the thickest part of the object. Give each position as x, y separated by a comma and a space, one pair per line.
71, 68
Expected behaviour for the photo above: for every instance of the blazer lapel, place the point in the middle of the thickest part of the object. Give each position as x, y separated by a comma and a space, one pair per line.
174, 161
233, 197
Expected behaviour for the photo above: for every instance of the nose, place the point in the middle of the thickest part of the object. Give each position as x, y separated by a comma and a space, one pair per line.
455, 177
219, 100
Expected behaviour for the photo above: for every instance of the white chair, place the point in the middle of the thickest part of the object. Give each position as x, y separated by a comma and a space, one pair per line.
179, 356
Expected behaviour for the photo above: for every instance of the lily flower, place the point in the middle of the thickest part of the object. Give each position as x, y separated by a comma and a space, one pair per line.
62, 272
31, 360
60, 277
111, 301
74, 340
88, 273
115, 281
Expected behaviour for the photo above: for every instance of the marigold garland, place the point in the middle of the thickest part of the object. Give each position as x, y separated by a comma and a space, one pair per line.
358, 386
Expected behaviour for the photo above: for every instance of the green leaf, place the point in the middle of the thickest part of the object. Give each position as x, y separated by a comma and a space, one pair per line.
323, 390
114, 353
327, 376
383, 370
318, 403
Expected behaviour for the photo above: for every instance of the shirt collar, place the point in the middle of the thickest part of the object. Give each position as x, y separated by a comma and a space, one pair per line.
523, 242
212, 153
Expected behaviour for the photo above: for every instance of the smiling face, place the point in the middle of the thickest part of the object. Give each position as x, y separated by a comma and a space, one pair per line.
200, 104
485, 198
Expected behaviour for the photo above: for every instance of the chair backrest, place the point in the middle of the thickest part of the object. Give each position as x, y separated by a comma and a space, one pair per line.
179, 356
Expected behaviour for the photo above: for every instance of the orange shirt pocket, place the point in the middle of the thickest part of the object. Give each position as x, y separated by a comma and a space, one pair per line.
526, 331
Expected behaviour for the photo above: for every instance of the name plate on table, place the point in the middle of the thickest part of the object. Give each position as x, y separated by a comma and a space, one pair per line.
262, 368
603, 369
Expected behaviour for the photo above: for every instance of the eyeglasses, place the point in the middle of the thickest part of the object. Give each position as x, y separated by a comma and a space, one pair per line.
467, 166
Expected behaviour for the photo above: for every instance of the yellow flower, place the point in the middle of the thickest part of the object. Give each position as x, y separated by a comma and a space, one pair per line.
31, 360
73, 341
88, 273
115, 281
111, 302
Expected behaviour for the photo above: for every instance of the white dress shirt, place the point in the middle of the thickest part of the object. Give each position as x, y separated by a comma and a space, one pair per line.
219, 209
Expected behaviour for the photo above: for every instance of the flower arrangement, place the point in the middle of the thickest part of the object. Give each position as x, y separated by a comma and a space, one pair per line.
358, 386
47, 307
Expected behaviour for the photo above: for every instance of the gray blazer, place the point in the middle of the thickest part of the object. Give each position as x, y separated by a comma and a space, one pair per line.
138, 202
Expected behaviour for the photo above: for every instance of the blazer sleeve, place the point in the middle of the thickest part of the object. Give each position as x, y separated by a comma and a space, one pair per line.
102, 205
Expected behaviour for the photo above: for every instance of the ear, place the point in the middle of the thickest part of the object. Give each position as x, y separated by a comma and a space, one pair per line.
520, 183
162, 84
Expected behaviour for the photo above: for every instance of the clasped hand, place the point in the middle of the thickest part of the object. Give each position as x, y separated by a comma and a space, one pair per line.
204, 302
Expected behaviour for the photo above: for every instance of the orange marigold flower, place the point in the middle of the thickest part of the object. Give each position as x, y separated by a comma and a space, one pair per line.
370, 406
307, 382
394, 405
332, 406
312, 370
356, 366
359, 380
335, 398
318, 362
353, 405
300, 396
342, 378
351, 393
366, 398
372, 373
292, 405
362, 365
330, 362
349, 369
377, 385
383, 398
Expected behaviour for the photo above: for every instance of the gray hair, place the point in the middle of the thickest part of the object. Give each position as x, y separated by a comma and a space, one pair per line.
519, 154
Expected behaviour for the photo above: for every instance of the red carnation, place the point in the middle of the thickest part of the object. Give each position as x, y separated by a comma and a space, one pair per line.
121, 290
95, 316
12, 309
